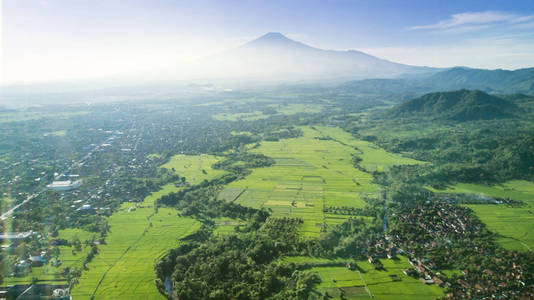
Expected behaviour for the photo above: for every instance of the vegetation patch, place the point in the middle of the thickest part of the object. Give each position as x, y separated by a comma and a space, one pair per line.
514, 225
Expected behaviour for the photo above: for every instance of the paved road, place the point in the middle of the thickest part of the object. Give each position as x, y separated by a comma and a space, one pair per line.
9, 212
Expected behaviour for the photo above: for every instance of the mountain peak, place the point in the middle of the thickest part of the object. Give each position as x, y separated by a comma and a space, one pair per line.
273, 36
273, 56
275, 40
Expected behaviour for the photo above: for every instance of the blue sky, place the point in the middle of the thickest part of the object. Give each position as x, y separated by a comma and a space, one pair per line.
63, 39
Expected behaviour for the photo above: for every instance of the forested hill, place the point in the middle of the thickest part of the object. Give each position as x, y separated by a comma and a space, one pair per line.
490, 81
498, 81
462, 105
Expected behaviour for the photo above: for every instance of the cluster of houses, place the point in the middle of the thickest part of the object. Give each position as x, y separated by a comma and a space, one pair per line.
503, 280
36, 259
435, 226
425, 272
444, 221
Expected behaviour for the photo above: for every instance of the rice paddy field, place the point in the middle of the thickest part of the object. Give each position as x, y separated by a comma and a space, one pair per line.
56, 133
374, 158
297, 108
139, 236
513, 224
251, 116
366, 282
310, 173
281, 109
195, 168
124, 266
20, 116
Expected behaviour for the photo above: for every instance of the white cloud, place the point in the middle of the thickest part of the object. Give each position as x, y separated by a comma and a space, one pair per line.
527, 25
474, 19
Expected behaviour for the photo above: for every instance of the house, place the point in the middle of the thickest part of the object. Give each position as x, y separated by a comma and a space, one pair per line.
37, 260
437, 281
463, 283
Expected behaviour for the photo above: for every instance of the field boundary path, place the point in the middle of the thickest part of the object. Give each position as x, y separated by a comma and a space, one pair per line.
120, 257
198, 170
365, 285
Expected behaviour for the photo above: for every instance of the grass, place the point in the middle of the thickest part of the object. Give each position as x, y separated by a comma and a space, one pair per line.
50, 274
281, 109
138, 238
56, 133
124, 266
5, 203
310, 173
225, 226
20, 116
195, 168
250, 116
292, 109
514, 225
367, 282
450, 273
374, 157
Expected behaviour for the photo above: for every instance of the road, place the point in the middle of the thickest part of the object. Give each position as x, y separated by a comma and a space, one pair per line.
9, 212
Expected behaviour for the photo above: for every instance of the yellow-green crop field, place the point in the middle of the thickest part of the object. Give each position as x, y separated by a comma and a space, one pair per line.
56, 133
297, 108
515, 225
195, 168
20, 116
281, 109
374, 157
309, 174
366, 282
251, 116
135, 234
124, 267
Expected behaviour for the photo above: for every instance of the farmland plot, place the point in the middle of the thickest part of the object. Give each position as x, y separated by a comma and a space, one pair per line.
311, 172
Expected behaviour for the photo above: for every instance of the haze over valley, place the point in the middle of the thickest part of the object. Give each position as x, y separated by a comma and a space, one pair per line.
267, 150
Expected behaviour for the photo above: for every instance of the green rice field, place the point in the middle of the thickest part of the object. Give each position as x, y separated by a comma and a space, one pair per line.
311, 173
20, 116
513, 224
250, 116
366, 282
195, 168
121, 268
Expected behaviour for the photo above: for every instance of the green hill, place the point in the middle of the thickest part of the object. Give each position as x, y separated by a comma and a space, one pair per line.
495, 81
462, 105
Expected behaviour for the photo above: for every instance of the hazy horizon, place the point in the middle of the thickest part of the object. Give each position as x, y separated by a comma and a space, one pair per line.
47, 41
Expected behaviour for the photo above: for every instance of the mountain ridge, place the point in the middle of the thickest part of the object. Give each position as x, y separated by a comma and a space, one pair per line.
273, 56
490, 81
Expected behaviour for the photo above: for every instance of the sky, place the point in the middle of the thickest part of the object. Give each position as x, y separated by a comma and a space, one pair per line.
53, 40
